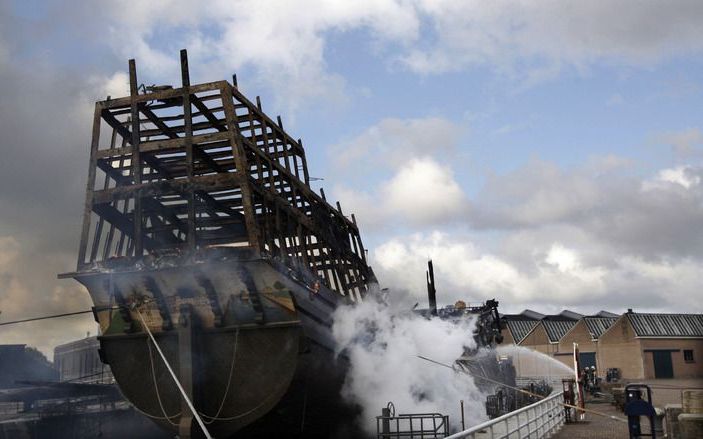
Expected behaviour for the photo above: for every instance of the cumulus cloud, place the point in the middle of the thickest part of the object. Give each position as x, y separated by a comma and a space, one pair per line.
28, 289
542, 235
651, 217
539, 38
421, 192
555, 276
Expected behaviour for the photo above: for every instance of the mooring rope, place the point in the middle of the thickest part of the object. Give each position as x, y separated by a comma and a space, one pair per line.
156, 388
229, 382
175, 378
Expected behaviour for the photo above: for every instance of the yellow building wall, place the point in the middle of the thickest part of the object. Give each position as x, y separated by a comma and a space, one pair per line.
618, 347
682, 369
507, 336
538, 340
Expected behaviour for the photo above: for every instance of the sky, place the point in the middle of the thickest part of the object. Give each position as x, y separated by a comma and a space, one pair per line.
548, 154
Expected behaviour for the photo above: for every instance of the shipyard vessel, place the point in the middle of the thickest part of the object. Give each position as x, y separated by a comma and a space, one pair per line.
200, 227
215, 269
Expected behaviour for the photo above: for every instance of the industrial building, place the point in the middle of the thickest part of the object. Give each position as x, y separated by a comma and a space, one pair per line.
638, 345
78, 361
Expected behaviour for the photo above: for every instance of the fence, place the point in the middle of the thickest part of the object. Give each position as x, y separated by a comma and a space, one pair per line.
418, 425
537, 420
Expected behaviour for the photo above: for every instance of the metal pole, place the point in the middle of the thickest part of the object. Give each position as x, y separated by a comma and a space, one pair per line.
173, 375
463, 427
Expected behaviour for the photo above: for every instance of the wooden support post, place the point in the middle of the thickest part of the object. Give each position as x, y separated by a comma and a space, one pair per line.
136, 160
188, 122
88, 206
185, 367
242, 167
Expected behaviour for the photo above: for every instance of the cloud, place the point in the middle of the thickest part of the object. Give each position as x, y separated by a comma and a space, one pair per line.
537, 39
421, 192
28, 289
685, 176
556, 276
648, 217
546, 237
685, 143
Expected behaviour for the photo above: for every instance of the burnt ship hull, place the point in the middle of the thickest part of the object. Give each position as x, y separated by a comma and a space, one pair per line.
232, 326
200, 225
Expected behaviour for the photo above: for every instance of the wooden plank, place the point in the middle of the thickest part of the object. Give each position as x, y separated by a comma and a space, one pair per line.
207, 183
163, 95
136, 161
242, 167
88, 205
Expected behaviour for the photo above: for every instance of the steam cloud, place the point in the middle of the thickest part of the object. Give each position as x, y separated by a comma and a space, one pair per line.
382, 345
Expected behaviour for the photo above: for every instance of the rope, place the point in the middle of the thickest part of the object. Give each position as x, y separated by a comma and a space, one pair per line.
175, 378
34, 319
156, 387
241, 415
229, 381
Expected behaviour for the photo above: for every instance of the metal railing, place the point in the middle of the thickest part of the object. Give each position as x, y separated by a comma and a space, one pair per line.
537, 420
416, 425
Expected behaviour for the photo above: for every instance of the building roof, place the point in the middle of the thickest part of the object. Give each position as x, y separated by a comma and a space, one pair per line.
520, 328
570, 315
598, 325
532, 314
666, 325
557, 327
605, 314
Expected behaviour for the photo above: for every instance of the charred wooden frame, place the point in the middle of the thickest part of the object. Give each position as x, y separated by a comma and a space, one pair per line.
198, 166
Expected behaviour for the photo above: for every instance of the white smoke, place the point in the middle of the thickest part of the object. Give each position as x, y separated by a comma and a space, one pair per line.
382, 346
531, 363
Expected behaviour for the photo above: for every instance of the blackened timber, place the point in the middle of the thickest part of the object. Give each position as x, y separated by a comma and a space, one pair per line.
121, 221
99, 228
163, 95
189, 147
116, 124
151, 286
241, 165
136, 161
205, 111
211, 294
165, 145
209, 183
213, 205
88, 206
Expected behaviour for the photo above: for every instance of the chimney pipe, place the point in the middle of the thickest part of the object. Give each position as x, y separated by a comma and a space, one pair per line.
431, 291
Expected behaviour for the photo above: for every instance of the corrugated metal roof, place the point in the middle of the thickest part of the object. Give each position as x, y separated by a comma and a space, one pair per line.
605, 314
556, 329
598, 325
520, 328
532, 314
667, 325
570, 314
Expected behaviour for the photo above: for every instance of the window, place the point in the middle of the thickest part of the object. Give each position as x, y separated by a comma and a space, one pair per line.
688, 355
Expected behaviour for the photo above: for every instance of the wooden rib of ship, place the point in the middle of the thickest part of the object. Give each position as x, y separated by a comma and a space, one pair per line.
199, 217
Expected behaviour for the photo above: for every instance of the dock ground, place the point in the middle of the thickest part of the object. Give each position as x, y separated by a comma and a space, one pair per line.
664, 391
596, 427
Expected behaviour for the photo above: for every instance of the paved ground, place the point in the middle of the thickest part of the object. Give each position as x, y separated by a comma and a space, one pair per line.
599, 427
596, 427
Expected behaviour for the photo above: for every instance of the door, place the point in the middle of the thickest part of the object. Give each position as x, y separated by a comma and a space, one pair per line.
587, 359
663, 368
